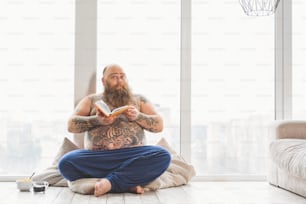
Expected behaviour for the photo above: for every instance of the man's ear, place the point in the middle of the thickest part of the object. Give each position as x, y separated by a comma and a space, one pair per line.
103, 80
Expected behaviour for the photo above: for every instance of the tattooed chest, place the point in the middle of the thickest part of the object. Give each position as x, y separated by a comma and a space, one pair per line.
115, 137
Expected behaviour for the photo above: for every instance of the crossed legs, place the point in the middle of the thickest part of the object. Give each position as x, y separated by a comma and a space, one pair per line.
121, 170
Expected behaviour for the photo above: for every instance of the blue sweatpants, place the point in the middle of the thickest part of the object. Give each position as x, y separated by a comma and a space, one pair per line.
124, 168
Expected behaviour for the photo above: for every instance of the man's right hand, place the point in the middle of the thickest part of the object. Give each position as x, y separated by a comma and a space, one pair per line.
106, 120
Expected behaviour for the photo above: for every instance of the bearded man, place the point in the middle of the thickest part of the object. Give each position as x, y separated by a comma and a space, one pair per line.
115, 150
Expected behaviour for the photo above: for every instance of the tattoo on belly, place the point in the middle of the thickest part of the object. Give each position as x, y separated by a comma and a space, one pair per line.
119, 135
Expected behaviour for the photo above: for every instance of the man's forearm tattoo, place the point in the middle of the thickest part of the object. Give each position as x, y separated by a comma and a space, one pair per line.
83, 124
149, 123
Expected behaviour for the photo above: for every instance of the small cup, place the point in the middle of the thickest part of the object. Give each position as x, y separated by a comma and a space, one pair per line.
24, 184
40, 186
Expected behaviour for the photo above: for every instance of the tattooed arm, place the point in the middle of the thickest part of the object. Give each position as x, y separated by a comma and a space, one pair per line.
152, 123
146, 117
78, 124
81, 121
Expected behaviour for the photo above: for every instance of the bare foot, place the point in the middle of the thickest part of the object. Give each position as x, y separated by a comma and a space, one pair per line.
102, 187
137, 190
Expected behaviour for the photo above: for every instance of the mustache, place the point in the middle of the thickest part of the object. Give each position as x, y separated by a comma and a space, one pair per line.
115, 90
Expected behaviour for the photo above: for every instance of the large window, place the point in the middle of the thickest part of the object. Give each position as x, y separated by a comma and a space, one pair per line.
232, 82
232, 89
144, 38
298, 60
36, 82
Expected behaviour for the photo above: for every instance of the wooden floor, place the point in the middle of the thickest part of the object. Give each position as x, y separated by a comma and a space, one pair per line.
195, 192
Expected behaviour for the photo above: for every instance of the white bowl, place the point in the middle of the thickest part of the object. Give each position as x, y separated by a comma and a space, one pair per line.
24, 184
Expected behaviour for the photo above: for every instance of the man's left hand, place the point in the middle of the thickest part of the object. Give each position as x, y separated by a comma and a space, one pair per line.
132, 113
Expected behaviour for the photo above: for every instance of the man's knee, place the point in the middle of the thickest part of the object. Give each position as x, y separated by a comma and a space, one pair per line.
62, 164
65, 165
165, 157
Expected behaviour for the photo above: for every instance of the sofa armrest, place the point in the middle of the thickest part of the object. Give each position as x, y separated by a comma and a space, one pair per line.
290, 129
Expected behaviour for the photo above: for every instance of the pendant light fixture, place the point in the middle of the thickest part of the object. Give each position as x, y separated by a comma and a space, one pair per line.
259, 7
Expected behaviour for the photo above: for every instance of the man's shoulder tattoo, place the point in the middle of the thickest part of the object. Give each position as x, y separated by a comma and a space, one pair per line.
141, 98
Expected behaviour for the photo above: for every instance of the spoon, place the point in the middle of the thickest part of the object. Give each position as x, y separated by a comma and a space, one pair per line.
32, 175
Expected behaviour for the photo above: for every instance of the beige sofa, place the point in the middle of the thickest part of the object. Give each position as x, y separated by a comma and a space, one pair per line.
288, 156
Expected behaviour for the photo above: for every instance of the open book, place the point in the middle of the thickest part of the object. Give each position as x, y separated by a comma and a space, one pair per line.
103, 108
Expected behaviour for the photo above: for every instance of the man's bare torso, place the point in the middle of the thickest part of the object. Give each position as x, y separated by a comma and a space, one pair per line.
122, 133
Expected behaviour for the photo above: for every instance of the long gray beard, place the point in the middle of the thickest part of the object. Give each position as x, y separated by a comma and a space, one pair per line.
117, 98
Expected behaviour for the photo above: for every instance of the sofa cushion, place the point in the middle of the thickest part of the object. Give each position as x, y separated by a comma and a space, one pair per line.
290, 155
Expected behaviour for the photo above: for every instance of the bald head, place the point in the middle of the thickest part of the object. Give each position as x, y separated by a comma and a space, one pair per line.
111, 68
114, 75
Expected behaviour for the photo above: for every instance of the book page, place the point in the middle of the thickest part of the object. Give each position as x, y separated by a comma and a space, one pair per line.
118, 111
103, 107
